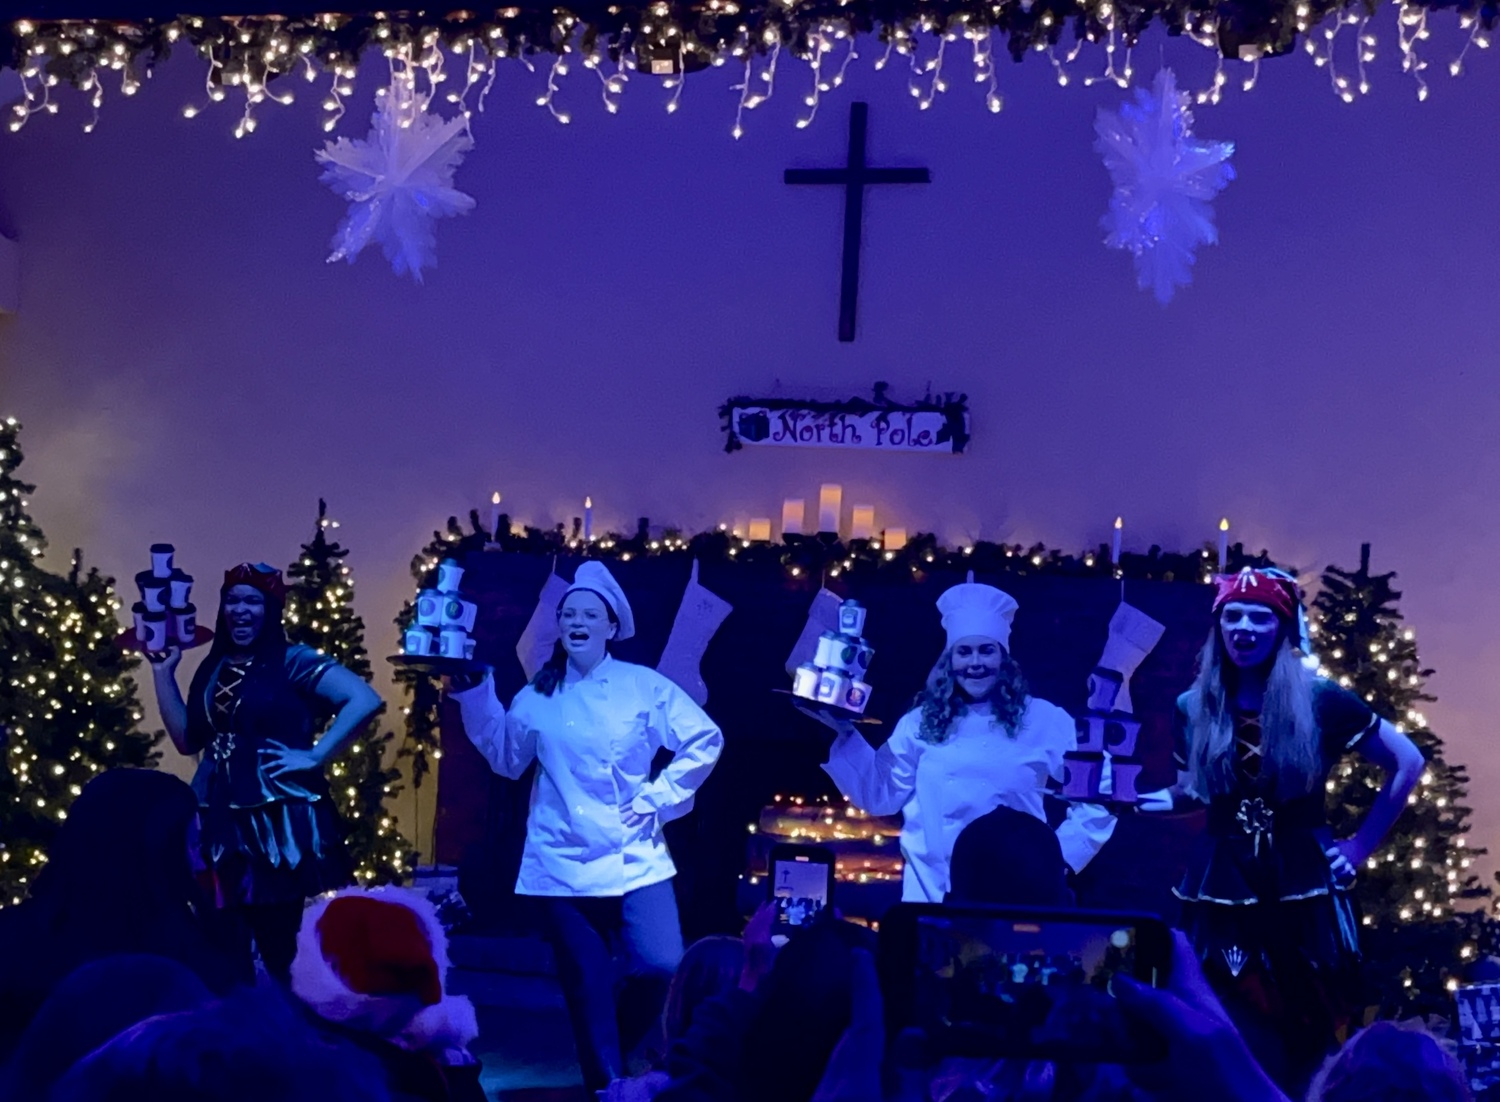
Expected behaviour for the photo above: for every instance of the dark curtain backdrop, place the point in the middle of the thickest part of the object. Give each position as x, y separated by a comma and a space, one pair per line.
770, 748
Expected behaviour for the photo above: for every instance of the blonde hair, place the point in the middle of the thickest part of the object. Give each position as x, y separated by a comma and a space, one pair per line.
1288, 727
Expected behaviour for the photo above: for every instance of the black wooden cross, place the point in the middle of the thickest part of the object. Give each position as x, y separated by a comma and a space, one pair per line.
854, 176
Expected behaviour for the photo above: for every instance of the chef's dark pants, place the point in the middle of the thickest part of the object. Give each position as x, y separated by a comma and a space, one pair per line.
615, 958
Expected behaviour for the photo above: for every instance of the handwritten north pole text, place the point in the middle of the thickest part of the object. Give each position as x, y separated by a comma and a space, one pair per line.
884, 430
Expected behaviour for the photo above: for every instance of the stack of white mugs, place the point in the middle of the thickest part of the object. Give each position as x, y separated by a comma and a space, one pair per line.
165, 614
444, 619
836, 674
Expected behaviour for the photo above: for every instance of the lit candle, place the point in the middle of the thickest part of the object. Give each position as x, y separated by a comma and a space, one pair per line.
895, 539
1114, 547
862, 525
588, 519
830, 505
760, 529
1224, 545
793, 513
495, 515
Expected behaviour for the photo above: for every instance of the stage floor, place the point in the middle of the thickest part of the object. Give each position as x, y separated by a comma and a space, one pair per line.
525, 1042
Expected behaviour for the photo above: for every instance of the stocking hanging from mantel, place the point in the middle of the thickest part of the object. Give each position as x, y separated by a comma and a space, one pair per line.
698, 617
542, 633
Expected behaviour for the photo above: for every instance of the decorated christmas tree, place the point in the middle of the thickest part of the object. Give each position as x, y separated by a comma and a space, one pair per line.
320, 613
421, 742
1411, 890
68, 705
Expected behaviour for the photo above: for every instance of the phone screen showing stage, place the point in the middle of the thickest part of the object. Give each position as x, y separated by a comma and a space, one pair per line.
992, 986
800, 889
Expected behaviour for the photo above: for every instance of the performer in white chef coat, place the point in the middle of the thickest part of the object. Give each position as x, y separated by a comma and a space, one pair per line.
594, 848
975, 740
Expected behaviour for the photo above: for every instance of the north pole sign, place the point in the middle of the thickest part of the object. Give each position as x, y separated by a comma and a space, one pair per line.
937, 425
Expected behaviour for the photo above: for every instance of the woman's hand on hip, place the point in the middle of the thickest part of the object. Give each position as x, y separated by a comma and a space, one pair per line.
279, 760
1344, 860
635, 820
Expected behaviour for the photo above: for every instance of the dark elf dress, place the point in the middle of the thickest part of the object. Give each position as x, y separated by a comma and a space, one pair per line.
1259, 902
267, 840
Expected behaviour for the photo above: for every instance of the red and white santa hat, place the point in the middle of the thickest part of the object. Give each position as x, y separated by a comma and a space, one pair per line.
1274, 589
376, 960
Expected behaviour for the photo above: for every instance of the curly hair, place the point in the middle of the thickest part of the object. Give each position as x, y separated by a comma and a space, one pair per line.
942, 701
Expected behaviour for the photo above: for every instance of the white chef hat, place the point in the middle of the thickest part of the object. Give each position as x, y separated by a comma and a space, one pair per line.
972, 609
596, 578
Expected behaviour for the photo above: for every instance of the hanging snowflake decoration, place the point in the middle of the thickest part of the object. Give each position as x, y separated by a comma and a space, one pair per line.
1164, 181
399, 179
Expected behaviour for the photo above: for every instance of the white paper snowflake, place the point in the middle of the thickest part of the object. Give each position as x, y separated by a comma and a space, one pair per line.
399, 179
1164, 180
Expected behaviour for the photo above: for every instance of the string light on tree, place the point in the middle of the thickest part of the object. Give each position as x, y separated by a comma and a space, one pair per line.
68, 705
1410, 890
320, 614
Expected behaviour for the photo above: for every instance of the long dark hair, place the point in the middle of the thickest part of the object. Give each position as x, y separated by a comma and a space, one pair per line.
269, 651
550, 676
1288, 726
942, 701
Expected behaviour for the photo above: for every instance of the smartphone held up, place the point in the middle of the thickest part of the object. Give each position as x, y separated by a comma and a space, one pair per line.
800, 885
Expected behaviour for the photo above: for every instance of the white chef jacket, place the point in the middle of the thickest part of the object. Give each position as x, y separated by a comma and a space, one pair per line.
594, 740
940, 788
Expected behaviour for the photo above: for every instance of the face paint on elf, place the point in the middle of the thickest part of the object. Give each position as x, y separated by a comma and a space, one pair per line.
583, 619
244, 611
1250, 632
976, 665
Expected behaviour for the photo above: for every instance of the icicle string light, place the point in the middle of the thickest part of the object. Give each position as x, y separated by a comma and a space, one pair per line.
247, 55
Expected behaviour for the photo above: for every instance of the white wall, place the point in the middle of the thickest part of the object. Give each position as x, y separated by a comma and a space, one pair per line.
189, 369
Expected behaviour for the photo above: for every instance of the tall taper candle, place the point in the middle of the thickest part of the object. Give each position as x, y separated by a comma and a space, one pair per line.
1114, 547
588, 519
495, 515
1224, 545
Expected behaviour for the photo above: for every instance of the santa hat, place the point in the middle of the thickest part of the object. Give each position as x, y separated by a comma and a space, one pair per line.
1274, 589
375, 960
596, 578
970, 608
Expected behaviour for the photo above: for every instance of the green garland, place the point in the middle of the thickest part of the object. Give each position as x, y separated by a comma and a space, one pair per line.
812, 555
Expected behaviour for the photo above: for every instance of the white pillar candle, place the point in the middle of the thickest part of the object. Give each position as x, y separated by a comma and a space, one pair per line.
760, 529
830, 506
895, 539
793, 514
862, 525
